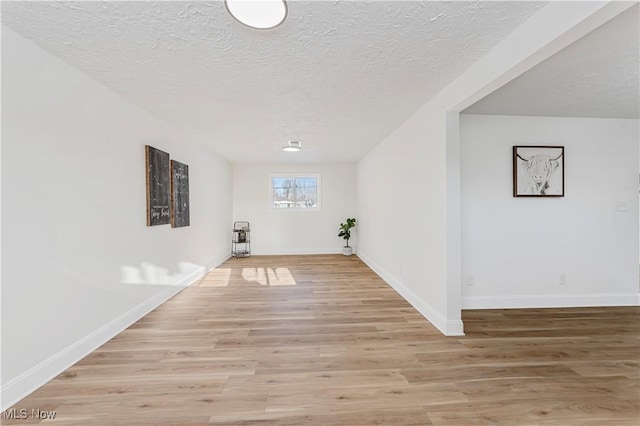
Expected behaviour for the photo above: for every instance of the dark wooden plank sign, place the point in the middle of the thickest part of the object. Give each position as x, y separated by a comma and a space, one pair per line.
179, 194
158, 187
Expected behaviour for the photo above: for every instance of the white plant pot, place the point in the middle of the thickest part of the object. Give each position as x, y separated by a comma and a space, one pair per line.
347, 251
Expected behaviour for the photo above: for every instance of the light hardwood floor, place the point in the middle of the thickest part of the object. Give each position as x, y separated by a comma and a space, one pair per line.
289, 340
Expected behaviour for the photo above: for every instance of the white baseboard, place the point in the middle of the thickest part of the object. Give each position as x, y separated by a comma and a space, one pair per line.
447, 327
551, 301
216, 262
21, 386
285, 252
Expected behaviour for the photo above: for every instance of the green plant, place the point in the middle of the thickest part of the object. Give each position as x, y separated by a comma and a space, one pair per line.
345, 229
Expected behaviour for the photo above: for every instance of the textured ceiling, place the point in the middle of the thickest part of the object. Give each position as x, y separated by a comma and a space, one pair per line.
339, 75
597, 76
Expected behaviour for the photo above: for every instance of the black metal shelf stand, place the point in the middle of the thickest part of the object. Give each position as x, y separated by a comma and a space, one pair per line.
241, 240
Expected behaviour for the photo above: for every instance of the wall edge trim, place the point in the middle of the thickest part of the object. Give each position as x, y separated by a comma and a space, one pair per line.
285, 252
551, 301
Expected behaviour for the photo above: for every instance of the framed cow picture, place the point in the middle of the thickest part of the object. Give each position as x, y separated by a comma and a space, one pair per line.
538, 171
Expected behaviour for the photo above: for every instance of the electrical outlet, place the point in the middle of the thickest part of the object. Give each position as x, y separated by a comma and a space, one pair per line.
563, 280
622, 206
469, 281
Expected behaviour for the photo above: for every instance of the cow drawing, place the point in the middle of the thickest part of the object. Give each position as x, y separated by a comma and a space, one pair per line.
538, 170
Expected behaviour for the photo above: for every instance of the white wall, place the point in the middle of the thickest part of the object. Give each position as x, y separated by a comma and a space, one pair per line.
295, 232
402, 205
516, 249
411, 179
73, 211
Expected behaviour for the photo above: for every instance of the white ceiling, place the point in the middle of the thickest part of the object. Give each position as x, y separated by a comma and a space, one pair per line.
597, 76
339, 75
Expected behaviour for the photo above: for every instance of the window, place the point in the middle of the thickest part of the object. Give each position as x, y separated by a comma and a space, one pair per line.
295, 192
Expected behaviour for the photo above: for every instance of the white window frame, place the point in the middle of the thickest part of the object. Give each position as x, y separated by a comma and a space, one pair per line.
317, 176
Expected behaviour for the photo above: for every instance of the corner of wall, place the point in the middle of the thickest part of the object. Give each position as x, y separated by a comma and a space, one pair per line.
447, 327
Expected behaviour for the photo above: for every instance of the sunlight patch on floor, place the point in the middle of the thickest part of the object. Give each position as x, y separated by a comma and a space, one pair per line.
269, 276
218, 277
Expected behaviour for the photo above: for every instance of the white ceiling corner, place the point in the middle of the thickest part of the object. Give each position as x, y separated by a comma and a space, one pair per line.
596, 76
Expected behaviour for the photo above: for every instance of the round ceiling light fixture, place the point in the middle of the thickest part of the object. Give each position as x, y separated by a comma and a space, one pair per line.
292, 146
259, 14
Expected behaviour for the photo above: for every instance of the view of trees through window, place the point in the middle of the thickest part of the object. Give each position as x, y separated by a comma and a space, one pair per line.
295, 192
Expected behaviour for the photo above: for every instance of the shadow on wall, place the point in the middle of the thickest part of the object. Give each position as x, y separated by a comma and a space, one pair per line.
148, 273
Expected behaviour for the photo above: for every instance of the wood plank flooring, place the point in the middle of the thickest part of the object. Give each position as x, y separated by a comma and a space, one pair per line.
322, 340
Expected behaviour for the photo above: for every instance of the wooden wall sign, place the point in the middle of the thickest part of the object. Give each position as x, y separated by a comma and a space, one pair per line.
179, 194
158, 187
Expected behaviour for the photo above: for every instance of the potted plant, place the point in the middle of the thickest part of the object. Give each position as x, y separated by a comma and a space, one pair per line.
345, 232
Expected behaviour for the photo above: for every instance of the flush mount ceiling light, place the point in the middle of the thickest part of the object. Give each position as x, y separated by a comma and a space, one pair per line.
259, 14
292, 146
